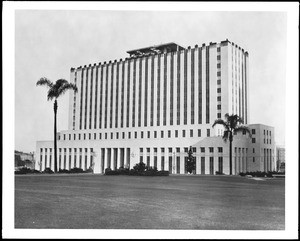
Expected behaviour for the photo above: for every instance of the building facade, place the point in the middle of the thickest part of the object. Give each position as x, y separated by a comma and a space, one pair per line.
151, 106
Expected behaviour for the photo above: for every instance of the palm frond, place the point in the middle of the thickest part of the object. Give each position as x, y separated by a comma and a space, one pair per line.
45, 81
234, 120
68, 86
242, 128
220, 122
52, 93
226, 135
59, 88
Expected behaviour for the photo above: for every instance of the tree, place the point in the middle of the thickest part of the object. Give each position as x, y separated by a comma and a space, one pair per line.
191, 162
232, 125
56, 90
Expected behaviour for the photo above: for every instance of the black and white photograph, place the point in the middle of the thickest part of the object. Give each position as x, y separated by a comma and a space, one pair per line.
150, 120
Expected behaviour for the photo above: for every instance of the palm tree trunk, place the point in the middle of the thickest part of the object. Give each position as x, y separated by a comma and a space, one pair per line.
230, 157
230, 153
55, 140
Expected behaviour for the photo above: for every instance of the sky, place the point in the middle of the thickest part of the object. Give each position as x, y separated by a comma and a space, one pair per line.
49, 42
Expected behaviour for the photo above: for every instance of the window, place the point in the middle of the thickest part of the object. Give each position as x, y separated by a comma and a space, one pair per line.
141, 150
211, 149
219, 107
83, 136
148, 149
163, 150
155, 134
142, 134
105, 135
176, 133
253, 150
123, 135
183, 133
69, 136
220, 149
64, 136
148, 133
78, 136
219, 81
100, 136
219, 73
267, 132
129, 135
264, 141
111, 135
155, 150
162, 134
191, 133
219, 65
186, 149
219, 115
95, 136
219, 57
264, 132
270, 141
194, 149
135, 134
244, 132
219, 90
169, 134
199, 132
202, 149
170, 149
253, 131
253, 159
208, 132
74, 137
117, 135
253, 140
218, 49
219, 98
177, 149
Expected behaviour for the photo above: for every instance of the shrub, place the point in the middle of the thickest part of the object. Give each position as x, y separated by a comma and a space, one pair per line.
140, 167
89, 170
26, 170
48, 171
76, 170
256, 174
219, 173
108, 171
63, 171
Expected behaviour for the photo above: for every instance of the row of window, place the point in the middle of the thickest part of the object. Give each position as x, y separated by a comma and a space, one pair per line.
65, 150
177, 149
134, 134
113, 78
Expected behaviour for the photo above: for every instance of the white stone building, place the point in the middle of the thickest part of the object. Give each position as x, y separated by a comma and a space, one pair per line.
155, 104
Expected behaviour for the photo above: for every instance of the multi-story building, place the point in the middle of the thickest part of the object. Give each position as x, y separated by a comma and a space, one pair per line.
152, 106
23, 159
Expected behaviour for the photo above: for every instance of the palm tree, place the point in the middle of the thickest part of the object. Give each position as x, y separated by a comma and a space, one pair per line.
56, 90
232, 125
